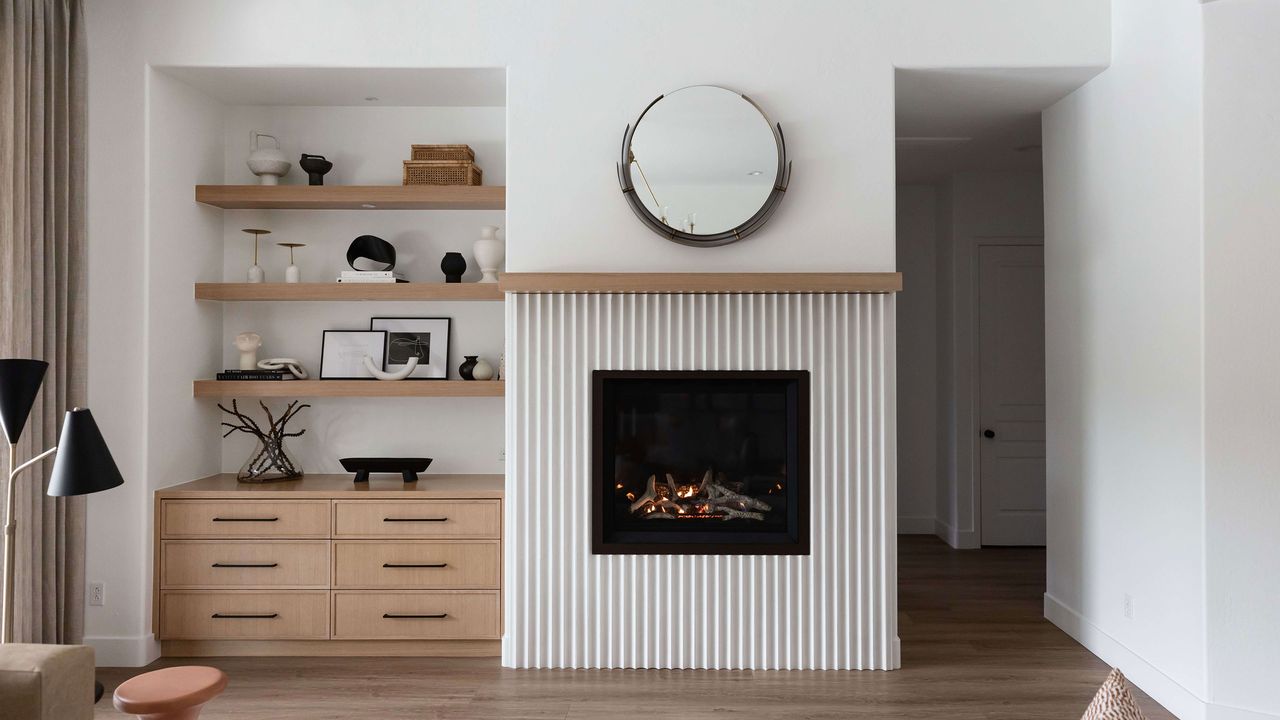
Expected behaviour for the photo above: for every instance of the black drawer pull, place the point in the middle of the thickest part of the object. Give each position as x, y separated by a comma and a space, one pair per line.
245, 565
245, 616
405, 616
415, 565
222, 519
432, 519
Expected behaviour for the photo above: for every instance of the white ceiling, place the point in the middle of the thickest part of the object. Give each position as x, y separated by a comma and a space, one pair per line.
317, 86
976, 119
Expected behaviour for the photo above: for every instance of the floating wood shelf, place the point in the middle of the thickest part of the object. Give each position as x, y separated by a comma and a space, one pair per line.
348, 388
239, 292
353, 197
874, 282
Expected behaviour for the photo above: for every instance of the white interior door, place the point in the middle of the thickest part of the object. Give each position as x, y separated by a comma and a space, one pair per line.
1011, 393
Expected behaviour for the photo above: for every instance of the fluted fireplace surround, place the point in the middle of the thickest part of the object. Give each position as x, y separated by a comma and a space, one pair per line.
832, 608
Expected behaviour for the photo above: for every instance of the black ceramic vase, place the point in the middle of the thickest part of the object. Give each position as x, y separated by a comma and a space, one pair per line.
467, 366
315, 166
453, 265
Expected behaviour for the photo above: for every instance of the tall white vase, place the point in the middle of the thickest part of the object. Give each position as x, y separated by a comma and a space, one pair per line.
489, 253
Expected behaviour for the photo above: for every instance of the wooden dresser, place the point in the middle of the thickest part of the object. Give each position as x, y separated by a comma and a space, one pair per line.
323, 566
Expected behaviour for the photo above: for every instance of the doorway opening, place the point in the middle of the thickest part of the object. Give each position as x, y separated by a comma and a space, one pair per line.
971, 365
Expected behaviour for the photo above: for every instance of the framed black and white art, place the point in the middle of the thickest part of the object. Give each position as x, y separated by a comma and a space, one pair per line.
424, 338
342, 353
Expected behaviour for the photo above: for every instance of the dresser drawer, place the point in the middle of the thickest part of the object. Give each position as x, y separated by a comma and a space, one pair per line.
429, 615
418, 518
244, 615
245, 518
422, 564
244, 563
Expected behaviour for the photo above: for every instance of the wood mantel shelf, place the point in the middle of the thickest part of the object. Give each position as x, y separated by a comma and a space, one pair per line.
348, 388
409, 292
353, 197
741, 283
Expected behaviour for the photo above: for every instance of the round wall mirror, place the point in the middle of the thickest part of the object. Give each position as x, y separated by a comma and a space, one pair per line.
703, 166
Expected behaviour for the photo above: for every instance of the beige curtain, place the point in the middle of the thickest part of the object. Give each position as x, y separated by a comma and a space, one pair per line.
42, 275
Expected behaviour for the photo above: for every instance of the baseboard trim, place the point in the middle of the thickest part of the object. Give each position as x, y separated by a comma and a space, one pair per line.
958, 539
1226, 712
916, 525
1163, 689
124, 651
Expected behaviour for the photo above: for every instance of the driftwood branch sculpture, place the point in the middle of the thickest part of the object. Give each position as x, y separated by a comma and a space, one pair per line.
270, 456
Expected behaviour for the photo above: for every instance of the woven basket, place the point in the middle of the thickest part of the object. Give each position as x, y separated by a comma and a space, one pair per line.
442, 172
443, 152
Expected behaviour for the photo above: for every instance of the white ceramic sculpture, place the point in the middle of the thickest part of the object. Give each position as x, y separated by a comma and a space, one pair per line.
248, 343
293, 366
400, 374
268, 163
489, 252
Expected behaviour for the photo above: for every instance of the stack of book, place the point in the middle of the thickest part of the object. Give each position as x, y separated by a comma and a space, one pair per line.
255, 375
370, 276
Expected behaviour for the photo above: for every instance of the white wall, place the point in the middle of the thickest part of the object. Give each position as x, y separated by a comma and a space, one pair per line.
578, 72
1125, 345
976, 207
1242, 394
917, 240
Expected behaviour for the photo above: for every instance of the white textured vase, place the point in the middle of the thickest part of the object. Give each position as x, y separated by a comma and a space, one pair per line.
489, 253
268, 163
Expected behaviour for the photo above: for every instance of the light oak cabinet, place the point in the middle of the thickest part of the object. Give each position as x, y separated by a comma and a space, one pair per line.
323, 566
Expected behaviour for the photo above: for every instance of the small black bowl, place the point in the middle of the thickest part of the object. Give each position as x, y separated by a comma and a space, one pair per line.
407, 467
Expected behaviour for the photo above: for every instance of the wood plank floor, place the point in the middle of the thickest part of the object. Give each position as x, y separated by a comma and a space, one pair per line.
974, 645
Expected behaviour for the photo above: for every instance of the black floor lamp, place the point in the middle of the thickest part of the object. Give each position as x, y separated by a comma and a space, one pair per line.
82, 463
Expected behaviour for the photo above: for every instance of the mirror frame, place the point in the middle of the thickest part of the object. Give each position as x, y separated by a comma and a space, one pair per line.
782, 178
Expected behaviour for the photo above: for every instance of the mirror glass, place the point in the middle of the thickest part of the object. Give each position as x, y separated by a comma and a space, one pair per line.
704, 160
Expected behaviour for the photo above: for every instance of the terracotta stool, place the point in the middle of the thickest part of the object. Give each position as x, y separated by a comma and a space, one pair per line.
176, 693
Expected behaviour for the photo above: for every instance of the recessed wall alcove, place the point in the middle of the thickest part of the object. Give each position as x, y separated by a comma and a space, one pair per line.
364, 120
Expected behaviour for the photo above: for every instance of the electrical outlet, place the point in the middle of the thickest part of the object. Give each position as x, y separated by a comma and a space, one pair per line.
502, 455
97, 594
1128, 606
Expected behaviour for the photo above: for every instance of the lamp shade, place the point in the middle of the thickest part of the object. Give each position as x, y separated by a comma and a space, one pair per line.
19, 383
83, 464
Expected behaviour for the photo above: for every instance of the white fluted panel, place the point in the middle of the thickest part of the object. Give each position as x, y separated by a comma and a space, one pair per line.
833, 609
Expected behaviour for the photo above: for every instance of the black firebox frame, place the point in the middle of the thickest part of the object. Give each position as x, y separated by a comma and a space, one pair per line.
795, 541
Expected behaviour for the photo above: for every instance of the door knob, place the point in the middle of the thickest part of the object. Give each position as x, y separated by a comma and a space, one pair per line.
988, 433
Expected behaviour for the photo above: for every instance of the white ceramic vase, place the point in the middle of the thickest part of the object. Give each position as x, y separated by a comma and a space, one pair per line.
489, 253
268, 163
483, 370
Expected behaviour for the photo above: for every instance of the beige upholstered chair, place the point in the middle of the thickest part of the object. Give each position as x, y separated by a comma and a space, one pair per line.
46, 682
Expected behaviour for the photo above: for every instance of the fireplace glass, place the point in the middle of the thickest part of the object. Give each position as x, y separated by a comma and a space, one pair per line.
700, 462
